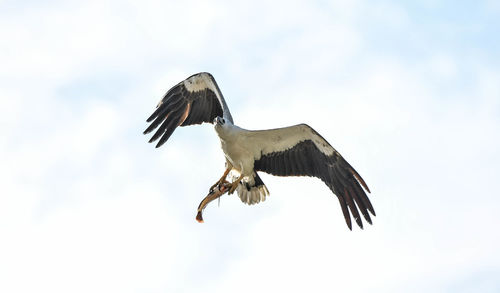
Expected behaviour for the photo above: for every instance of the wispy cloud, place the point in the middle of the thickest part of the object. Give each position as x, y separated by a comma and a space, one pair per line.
408, 93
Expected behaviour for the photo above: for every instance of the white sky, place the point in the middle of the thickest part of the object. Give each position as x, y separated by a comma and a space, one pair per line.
408, 93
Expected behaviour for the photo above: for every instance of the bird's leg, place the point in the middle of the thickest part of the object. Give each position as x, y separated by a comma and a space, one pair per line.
222, 179
234, 185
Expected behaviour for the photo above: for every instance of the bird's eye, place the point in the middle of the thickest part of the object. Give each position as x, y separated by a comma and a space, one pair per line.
223, 121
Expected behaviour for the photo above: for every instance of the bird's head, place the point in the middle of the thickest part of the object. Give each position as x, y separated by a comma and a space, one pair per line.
222, 125
219, 121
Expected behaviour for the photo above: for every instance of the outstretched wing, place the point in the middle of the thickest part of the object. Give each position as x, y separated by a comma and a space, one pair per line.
300, 151
192, 101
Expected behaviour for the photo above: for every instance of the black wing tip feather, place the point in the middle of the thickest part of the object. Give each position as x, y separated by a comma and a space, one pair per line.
353, 208
360, 199
345, 211
356, 188
358, 178
153, 116
360, 203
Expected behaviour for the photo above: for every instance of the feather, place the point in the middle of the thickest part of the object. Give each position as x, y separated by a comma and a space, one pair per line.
300, 151
206, 102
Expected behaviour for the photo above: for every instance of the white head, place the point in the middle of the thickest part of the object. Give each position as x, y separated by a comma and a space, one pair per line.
223, 126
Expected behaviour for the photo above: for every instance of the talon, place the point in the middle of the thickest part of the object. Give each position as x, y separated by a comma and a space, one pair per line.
221, 181
234, 185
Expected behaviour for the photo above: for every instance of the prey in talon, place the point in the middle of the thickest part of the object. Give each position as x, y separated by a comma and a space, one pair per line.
296, 150
214, 192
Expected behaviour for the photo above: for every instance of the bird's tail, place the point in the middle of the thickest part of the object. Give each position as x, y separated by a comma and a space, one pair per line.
252, 190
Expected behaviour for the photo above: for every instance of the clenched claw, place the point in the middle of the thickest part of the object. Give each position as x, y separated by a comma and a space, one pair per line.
221, 180
234, 185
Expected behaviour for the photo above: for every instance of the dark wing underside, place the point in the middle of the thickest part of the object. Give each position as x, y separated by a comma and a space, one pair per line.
182, 107
305, 159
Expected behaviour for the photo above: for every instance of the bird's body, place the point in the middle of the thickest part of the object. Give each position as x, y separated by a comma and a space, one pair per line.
239, 147
235, 144
290, 151
242, 148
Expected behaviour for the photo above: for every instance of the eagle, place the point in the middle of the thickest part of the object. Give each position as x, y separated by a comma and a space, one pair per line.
289, 151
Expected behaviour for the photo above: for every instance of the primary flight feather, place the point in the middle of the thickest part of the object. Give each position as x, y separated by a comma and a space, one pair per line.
290, 151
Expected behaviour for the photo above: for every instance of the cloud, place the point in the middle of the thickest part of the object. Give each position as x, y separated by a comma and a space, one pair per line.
88, 205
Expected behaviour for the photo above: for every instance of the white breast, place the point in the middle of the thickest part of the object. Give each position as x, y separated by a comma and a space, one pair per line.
236, 148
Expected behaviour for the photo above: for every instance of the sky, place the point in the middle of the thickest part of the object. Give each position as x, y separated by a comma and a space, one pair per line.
408, 92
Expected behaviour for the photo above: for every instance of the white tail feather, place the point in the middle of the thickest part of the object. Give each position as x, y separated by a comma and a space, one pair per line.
254, 196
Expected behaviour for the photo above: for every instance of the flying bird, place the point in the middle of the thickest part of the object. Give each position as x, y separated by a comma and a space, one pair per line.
290, 151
